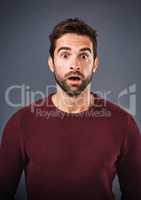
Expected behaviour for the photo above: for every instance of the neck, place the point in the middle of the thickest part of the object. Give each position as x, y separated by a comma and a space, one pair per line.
74, 104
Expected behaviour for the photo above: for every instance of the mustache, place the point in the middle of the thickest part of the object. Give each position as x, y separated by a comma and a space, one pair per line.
75, 74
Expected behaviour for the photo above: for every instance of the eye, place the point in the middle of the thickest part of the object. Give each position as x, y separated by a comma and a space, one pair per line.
65, 55
84, 56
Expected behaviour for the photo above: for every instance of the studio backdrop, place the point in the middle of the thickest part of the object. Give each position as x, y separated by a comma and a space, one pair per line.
24, 47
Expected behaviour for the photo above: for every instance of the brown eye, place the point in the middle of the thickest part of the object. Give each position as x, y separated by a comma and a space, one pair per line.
84, 56
65, 55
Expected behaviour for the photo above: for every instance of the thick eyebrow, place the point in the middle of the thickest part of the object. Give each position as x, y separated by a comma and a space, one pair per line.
86, 49
63, 48
68, 48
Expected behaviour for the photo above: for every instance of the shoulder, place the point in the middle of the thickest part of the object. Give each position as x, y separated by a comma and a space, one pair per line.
117, 114
29, 111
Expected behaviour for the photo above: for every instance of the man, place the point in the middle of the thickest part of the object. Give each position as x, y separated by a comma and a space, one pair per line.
73, 142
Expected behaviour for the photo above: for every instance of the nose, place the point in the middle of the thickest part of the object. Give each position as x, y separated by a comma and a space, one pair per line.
75, 65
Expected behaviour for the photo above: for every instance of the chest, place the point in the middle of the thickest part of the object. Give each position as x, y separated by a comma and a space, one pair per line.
73, 147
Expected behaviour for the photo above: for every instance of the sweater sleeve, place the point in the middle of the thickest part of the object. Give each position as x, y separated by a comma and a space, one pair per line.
129, 169
11, 158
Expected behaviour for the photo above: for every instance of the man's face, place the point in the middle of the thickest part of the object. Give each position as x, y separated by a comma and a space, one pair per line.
73, 63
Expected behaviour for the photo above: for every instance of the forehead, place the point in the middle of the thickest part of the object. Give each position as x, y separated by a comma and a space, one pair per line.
73, 40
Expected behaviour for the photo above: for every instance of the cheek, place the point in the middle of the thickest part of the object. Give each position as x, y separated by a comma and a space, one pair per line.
62, 63
88, 68
59, 69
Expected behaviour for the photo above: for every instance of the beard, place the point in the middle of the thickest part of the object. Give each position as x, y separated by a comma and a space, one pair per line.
73, 90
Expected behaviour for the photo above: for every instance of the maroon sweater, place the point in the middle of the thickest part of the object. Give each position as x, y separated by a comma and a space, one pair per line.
71, 156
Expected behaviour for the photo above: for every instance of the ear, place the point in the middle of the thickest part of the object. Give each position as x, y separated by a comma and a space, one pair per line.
96, 63
50, 63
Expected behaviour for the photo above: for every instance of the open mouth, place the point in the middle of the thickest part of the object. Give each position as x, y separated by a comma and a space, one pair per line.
74, 78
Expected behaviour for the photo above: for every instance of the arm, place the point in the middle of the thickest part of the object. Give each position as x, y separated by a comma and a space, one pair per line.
11, 158
129, 168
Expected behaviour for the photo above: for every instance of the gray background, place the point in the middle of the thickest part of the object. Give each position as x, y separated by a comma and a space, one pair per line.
24, 45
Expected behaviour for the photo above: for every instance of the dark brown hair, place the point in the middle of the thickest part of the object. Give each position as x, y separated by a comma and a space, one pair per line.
72, 26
